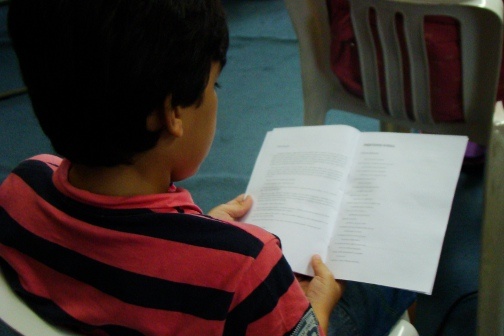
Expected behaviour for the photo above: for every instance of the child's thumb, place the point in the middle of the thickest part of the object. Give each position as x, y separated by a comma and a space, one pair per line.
320, 269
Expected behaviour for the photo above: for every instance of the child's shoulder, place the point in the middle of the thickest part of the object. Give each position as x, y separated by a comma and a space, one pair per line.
50, 160
255, 233
37, 165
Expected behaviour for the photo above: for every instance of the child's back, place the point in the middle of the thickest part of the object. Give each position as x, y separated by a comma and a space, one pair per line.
102, 240
151, 264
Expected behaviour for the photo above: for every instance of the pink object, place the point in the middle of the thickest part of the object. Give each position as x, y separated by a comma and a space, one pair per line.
443, 51
474, 150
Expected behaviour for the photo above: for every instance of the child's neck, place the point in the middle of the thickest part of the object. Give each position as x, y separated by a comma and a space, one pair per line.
122, 180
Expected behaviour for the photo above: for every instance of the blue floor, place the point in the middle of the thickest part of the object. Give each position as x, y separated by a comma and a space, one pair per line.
261, 89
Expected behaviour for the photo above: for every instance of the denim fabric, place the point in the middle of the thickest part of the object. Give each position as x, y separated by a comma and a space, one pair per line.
368, 310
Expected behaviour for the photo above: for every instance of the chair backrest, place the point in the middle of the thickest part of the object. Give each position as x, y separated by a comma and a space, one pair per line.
18, 316
480, 40
481, 27
491, 275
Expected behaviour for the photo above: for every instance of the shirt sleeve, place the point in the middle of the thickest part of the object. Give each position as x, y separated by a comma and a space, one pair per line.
269, 300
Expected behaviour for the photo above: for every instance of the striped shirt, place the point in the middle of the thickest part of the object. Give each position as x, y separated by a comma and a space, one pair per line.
143, 265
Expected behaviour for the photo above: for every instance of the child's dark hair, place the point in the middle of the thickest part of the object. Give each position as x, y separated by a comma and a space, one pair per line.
95, 69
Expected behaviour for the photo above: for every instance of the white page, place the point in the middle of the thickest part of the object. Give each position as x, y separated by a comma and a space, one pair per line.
391, 233
396, 208
296, 187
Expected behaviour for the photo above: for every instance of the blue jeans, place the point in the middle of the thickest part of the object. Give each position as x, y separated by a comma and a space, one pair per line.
368, 310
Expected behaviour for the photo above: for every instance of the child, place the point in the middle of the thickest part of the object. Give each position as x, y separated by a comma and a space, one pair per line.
102, 241
125, 92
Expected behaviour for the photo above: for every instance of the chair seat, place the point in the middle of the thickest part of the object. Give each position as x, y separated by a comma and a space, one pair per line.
18, 316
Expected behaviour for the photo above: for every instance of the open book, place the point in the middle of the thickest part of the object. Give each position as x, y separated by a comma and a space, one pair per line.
374, 205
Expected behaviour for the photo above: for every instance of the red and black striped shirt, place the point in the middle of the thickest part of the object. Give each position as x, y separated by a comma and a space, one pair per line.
143, 265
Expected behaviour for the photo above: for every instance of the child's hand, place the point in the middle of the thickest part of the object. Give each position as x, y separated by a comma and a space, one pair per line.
232, 210
322, 291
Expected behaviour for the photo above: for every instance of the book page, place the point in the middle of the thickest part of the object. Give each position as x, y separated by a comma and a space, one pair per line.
297, 185
395, 210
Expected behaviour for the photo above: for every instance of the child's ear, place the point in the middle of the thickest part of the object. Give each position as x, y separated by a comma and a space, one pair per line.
173, 121
167, 117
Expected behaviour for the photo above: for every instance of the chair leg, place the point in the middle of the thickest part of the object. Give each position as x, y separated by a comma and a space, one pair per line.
388, 127
315, 109
314, 119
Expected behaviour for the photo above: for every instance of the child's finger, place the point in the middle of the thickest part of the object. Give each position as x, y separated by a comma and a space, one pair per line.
242, 199
238, 208
320, 269
240, 205
232, 210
